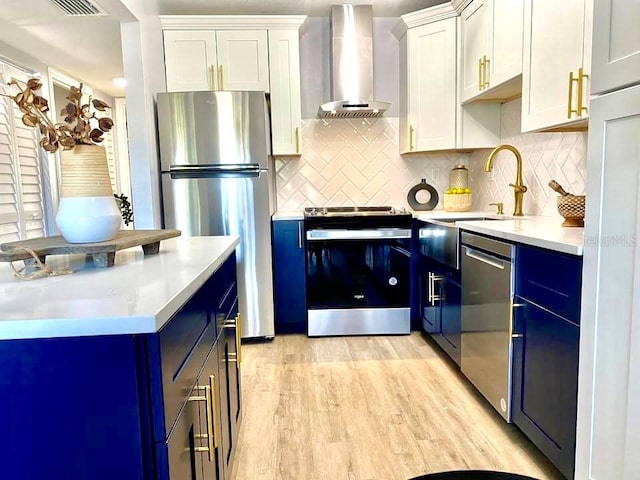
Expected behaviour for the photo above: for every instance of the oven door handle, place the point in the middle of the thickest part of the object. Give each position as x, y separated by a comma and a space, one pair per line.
365, 234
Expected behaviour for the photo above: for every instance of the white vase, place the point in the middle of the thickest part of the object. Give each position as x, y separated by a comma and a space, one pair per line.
87, 211
88, 219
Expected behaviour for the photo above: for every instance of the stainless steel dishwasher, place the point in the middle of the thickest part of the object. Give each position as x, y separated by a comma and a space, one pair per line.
487, 292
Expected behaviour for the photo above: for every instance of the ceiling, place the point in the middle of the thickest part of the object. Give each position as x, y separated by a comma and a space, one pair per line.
89, 48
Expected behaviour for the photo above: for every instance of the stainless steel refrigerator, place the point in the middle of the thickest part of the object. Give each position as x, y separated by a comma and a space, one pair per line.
217, 179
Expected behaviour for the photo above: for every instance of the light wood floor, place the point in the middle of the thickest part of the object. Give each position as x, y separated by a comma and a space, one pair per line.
368, 408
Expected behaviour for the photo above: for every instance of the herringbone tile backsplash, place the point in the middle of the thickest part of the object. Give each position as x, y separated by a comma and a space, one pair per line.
545, 156
356, 162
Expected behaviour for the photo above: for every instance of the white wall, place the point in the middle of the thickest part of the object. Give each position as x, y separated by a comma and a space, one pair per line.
143, 59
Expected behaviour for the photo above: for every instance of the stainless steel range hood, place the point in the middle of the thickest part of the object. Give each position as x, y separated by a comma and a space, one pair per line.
352, 64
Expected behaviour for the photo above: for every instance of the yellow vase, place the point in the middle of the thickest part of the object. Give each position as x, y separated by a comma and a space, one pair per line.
87, 211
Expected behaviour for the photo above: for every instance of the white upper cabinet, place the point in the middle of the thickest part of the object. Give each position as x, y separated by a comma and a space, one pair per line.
431, 117
431, 75
475, 48
190, 60
257, 52
556, 64
284, 72
243, 60
491, 50
616, 44
222, 60
507, 25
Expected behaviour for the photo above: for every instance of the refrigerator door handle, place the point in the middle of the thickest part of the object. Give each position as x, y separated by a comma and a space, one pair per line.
214, 173
242, 167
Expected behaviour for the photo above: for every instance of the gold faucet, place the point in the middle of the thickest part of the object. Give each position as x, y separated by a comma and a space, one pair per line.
518, 187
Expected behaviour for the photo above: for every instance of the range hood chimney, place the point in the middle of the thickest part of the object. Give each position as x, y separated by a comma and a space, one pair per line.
352, 64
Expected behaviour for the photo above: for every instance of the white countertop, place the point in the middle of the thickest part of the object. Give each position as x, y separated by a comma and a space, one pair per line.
283, 215
543, 232
137, 295
438, 214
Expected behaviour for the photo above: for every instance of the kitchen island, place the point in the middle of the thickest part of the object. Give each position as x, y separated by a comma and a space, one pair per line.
128, 372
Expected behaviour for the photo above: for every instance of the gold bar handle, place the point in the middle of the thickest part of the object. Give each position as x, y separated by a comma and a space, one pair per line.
212, 73
569, 109
297, 139
480, 64
214, 409
514, 305
434, 297
411, 132
220, 78
581, 77
239, 339
487, 62
210, 435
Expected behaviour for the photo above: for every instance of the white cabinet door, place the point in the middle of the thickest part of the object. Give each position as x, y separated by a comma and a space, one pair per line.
505, 28
556, 46
607, 437
616, 44
190, 60
431, 75
284, 72
475, 48
243, 60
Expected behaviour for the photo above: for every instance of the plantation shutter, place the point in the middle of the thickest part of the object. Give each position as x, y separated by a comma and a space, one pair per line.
109, 146
21, 202
9, 223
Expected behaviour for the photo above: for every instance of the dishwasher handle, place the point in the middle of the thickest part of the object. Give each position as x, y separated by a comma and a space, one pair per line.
483, 257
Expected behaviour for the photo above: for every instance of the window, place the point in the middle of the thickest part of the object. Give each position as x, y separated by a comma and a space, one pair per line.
21, 198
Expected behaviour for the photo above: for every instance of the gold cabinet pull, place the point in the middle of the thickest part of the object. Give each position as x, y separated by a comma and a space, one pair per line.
220, 78
581, 77
297, 139
569, 105
411, 132
511, 319
239, 339
215, 405
486, 62
435, 278
479, 74
210, 435
212, 73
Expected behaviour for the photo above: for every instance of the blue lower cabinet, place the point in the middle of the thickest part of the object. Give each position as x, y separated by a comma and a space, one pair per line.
440, 306
126, 407
545, 382
289, 276
427, 304
71, 408
450, 317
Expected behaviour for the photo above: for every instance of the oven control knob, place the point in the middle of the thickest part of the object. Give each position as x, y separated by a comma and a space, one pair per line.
314, 212
393, 281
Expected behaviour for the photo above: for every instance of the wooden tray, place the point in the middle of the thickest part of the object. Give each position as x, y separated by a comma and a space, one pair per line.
101, 253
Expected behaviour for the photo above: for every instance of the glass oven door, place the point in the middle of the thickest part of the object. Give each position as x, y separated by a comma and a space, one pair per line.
358, 280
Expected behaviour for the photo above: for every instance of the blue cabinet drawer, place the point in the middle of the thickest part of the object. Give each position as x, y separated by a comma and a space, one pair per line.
177, 353
550, 279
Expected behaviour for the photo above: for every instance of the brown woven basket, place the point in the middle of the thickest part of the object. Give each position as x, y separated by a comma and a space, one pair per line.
457, 202
571, 207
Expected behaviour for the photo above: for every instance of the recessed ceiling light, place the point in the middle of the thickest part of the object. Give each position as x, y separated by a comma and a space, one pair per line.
120, 81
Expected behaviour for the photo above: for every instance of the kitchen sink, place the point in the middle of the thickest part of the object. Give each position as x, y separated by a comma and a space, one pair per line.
465, 219
440, 238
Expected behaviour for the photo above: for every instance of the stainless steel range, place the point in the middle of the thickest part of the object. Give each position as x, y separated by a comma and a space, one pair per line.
358, 270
